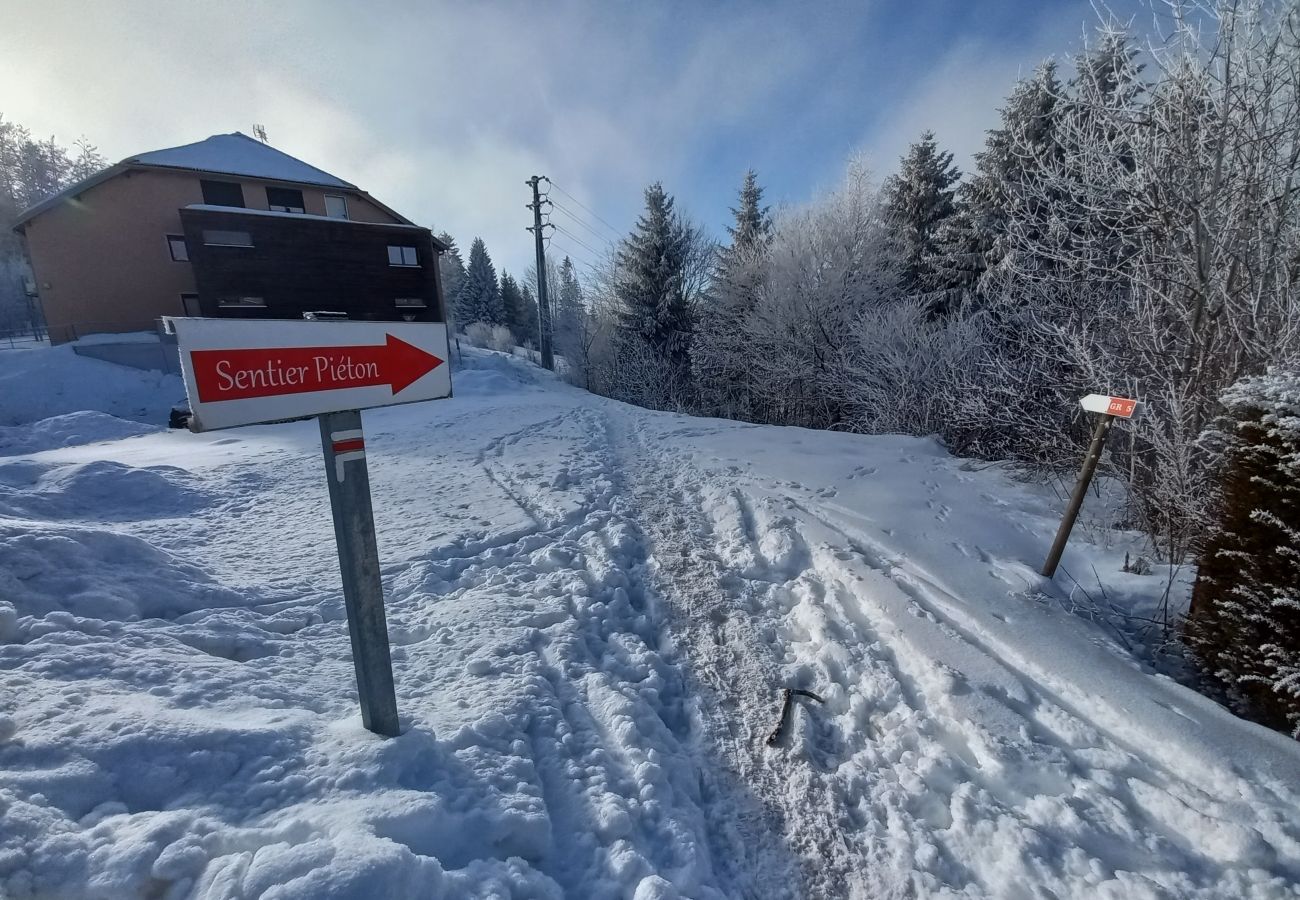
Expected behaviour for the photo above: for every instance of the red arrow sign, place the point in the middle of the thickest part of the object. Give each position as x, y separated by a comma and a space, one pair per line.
239, 374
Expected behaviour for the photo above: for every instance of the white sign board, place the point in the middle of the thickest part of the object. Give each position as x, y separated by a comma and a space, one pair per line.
245, 371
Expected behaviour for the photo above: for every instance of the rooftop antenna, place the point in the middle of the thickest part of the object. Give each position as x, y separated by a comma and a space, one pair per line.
259, 132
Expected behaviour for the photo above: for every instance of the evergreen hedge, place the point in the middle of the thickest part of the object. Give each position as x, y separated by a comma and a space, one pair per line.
1244, 623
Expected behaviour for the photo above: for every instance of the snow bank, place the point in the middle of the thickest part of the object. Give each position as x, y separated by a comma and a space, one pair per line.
54, 381
67, 430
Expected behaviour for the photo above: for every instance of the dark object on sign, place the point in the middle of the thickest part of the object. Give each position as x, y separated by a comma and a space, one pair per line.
786, 703
179, 416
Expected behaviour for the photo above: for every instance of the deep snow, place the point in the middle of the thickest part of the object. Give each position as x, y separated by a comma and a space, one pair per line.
594, 609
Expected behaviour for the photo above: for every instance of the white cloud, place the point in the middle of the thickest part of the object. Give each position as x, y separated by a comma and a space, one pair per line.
443, 110
959, 97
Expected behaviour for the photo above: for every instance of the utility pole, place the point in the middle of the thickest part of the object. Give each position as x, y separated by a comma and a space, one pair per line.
543, 310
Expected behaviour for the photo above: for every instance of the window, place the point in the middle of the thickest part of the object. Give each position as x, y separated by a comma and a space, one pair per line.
222, 193
284, 200
402, 256
336, 206
410, 303
176, 243
216, 238
190, 305
227, 302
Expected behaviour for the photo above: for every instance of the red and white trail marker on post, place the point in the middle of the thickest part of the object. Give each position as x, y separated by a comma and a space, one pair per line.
1109, 408
248, 371
1120, 407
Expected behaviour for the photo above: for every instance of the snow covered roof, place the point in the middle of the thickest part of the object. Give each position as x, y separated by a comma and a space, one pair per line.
238, 154
225, 154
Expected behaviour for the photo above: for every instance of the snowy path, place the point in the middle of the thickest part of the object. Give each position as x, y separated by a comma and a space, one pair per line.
594, 609
944, 759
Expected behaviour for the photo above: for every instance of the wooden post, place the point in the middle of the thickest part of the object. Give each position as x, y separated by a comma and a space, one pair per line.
363, 591
1080, 491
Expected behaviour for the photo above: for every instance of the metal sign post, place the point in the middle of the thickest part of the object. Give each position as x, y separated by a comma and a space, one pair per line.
354, 529
1109, 408
245, 372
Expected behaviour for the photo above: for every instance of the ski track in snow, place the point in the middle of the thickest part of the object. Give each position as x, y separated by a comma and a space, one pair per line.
593, 611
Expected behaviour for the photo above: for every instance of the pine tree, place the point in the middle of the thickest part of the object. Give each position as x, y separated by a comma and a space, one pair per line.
718, 360
479, 298
569, 310
651, 286
1011, 163
568, 301
452, 269
1244, 623
528, 303
952, 270
751, 232
753, 224
522, 320
918, 200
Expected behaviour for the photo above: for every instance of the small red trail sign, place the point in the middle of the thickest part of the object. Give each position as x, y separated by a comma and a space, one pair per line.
1122, 407
238, 374
1109, 408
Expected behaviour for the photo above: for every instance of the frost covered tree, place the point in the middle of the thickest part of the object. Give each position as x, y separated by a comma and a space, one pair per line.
1007, 174
654, 285
1162, 263
827, 264
918, 200
719, 359
569, 310
86, 161
521, 319
479, 298
528, 322
30, 171
531, 285
452, 270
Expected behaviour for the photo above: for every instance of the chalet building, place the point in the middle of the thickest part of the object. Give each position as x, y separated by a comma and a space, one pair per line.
228, 226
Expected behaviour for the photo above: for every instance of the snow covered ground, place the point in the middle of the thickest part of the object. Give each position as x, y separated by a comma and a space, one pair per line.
594, 610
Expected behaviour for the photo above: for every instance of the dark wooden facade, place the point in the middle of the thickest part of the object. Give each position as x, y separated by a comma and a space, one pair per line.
296, 264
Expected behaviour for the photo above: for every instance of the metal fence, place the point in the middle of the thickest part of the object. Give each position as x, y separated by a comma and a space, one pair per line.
30, 336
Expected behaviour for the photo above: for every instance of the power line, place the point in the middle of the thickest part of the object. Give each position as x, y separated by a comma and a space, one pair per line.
614, 230
577, 240
576, 218
576, 257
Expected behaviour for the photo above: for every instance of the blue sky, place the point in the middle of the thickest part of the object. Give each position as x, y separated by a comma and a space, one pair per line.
443, 110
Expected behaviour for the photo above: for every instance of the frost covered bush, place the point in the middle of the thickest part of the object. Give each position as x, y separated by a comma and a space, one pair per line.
1244, 625
491, 337
479, 334
907, 372
501, 339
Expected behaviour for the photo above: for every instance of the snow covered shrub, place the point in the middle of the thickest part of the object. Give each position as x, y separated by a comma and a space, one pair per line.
827, 264
904, 370
638, 373
479, 334
1244, 625
501, 339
